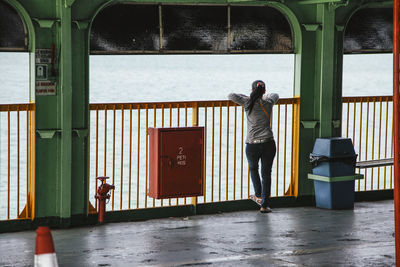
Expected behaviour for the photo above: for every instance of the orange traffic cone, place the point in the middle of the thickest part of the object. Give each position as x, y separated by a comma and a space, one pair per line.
45, 254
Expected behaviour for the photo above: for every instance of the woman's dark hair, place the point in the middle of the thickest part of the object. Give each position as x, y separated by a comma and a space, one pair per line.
257, 92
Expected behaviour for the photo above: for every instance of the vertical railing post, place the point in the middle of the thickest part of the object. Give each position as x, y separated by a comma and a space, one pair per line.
396, 125
293, 189
195, 122
32, 171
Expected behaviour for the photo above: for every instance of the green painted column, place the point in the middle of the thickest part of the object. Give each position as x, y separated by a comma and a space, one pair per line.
47, 115
54, 116
64, 33
62, 118
324, 69
329, 95
320, 82
308, 128
80, 114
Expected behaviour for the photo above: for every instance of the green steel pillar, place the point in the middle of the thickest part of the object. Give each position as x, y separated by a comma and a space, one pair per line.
80, 113
64, 197
62, 118
320, 83
48, 178
324, 71
329, 102
54, 119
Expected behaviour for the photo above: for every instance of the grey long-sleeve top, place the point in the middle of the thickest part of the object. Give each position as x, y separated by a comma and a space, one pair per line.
258, 123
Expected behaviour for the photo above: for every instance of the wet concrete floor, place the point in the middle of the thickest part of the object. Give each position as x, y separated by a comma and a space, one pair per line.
304, 236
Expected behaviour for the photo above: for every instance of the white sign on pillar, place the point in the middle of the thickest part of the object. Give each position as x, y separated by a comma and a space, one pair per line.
41, 72
44, 83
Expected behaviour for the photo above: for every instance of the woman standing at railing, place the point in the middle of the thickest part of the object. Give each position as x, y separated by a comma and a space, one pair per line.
260, 142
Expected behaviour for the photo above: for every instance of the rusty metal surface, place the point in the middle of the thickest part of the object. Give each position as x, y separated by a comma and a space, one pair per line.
304, 236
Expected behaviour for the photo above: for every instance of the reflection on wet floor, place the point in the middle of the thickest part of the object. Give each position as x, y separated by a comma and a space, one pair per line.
304, 236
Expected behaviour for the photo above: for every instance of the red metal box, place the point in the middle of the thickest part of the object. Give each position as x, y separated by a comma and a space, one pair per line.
176, 162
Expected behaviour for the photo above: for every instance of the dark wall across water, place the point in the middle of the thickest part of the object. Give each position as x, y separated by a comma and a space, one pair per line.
370, 30
137, 28
190, 29
12, 29
206, 28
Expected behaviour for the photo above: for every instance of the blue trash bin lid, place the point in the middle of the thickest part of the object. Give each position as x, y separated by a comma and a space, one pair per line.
335, 147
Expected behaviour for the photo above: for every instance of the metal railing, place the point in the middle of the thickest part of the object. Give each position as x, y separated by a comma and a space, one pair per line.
368, 122
16, 160
119, 148
119, 145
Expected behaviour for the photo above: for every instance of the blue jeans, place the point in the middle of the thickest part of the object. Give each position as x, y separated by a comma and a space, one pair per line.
266, 152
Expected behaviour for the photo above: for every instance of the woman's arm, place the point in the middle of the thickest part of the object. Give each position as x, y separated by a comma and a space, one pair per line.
238, 98
272, 97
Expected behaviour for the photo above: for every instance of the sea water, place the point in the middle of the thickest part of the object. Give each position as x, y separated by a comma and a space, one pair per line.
138, 78
160, 78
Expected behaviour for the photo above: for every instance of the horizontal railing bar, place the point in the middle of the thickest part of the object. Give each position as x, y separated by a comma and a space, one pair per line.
181, 104
176, 104
17, 107
374, 163
359, 99
13, 49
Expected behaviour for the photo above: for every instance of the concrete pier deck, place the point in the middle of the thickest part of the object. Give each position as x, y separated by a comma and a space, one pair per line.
304, 236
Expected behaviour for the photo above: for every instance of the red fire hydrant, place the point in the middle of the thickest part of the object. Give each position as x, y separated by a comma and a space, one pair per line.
102, 195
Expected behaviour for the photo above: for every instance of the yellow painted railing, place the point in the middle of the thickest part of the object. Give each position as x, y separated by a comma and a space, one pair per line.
119, 148
368, 122
16, 161
119, 145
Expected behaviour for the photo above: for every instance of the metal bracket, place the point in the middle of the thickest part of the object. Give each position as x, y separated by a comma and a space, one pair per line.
69, 3
81, 133
47, 134
309, 124
339, 28
81, 24
45, 23
336, 123
334, 5
312, 27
